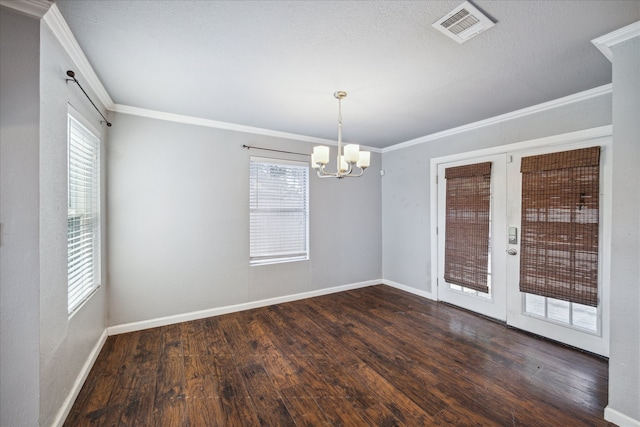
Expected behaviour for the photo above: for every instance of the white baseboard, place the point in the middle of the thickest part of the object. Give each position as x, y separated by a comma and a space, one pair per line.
201, 314
77, 385
619, 418
409, 289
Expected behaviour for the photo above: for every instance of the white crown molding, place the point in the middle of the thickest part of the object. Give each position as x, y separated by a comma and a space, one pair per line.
605, 42
33, 8
55, 21
197, 121
61, 31
581, 96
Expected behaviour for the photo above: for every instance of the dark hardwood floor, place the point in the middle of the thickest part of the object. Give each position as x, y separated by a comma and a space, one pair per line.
375, 356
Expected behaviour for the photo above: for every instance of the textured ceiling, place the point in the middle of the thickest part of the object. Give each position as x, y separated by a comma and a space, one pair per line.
276, 64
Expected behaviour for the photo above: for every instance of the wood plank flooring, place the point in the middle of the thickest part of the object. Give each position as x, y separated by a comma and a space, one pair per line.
375, 356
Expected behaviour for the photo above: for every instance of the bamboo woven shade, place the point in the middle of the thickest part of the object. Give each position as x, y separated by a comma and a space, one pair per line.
560, 215
466, 248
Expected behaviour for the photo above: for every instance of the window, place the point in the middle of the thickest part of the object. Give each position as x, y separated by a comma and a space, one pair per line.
278, 211
83, 219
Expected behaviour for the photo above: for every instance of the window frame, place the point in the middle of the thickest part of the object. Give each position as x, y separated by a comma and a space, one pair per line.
87, 287
275, 257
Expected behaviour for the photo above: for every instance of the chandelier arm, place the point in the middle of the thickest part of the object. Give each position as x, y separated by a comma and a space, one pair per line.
348, 171
356, 176
324, 172
327, 175
338, 173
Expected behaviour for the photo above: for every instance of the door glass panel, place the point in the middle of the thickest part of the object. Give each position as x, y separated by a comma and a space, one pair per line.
467, 214
469, 291
585, 316
485, 293
536, 304
560, 200
571, 314
558, 310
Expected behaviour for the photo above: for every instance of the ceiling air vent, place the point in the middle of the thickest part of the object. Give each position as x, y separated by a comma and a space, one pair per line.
463, 23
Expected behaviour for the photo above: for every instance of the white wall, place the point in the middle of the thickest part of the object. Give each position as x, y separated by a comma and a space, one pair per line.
43, 351
624, 361
406, 218
19, 219
178, 222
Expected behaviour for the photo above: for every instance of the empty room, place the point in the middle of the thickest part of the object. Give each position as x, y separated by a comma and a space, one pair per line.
319, 213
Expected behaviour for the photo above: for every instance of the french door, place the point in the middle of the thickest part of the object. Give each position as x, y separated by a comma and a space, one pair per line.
579, 325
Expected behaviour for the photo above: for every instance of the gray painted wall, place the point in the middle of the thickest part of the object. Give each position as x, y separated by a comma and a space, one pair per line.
65, 343
43, 351
624, 360
19, 218
406, 217
178, 222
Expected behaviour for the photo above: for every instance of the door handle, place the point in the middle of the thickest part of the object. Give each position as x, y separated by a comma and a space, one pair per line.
512, 251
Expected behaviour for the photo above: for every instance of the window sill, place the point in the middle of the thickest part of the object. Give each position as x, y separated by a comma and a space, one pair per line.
84, 301
257, 263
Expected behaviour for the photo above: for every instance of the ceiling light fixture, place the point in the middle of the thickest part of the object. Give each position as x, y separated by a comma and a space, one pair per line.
346, 161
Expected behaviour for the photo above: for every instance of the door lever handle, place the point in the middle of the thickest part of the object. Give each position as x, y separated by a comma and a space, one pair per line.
512, 251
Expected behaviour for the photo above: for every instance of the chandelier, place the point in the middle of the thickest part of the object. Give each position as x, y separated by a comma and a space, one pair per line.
346, 161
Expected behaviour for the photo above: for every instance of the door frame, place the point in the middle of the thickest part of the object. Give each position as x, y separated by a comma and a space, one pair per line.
597, 136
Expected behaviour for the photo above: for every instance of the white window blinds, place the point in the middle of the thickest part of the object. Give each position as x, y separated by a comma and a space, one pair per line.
278, 210
83, 232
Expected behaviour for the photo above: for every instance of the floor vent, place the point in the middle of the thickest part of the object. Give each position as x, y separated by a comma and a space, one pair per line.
463, 23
